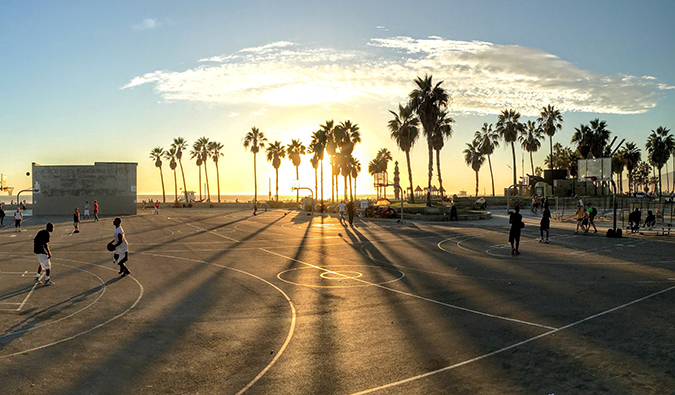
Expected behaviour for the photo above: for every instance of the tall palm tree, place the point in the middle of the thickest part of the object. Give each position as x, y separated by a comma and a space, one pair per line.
181, 145
428, 100
474, 157
330, 145
203, 143
383, 157
196, 154
375, 166
215, 151
314, 160
255, 139
346, 136
509, 128
583, 137
660, 145
156, 155
600, 138
170, 155
319, 141
356, 169
631, 156
530, 141
489, 140
442, 132
294, 150
404, 130
276, 152
550, 120
617, 168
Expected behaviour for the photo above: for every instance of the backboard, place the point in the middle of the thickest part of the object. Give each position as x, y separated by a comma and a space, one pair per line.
594, 169
380, 179
3, 181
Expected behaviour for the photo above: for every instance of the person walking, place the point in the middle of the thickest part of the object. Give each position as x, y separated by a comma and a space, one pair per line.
121, 255
18, 218
545, 223
580, 218
86, 210
157, 207
592, 212
516, 221
2, 215
95, 211
76, 220
44, 254
341, 209
255, 207
350, 212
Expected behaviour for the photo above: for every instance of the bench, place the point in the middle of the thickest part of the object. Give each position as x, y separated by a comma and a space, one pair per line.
665, 230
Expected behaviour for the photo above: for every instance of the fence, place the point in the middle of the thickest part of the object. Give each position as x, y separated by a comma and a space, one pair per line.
564, 209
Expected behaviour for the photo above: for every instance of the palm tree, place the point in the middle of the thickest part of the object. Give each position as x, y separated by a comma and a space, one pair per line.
319, 140
330, 145
356, 169
346, 136
404, 130
509, 128
156, 155
383, 157
583, 137
294, 150
600, 138
427, 100
276, 152
255, 139
214, 148
442, 132
203, 143
375, 166
550, 121
196, 153
660, 144
180, 145
631, 156
617, 168
170, 155
530, 141
474, 157
314, 160
489, 140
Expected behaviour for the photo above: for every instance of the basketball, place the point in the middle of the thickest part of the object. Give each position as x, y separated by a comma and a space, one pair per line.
111, 246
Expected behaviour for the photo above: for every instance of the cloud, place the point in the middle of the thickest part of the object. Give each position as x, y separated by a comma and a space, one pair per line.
482, 78
147, 24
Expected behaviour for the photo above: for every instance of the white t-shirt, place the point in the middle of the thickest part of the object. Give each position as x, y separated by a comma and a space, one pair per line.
122, 248
17, 215
341, 206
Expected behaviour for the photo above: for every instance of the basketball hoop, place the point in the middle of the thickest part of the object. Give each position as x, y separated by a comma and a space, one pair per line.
9, 190
592, 178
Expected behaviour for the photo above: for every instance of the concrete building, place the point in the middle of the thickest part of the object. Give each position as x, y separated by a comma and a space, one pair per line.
62, 188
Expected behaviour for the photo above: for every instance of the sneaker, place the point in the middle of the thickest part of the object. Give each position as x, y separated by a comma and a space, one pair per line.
49, 282
540, 240
546, 241
513, 250
126, 273
37, 280
517, 252
76, 231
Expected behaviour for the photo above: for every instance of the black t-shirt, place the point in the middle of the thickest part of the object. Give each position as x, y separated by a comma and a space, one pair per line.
41, 239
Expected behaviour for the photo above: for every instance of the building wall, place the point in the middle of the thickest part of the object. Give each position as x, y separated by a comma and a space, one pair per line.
62, 188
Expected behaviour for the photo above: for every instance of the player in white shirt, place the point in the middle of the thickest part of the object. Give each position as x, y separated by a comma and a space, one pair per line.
121, 247
341, 208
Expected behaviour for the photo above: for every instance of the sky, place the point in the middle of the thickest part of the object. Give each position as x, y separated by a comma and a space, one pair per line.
107, 81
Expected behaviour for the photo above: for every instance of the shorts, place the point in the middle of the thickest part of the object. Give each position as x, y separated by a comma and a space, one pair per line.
123, 259
591, 220
86, 212
584, 221
44, 261
17, 223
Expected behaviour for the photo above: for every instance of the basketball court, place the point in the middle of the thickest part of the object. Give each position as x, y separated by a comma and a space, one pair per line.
221, 301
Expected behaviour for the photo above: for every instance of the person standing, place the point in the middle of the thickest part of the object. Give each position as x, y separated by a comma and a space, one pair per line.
44, 254
86, 210
95, 211
18, 218
341, 209
2, 215
545, 223
350, 212
516, 221
157, 207
255, 207
580, 218
592, 212
76, 220
121, 255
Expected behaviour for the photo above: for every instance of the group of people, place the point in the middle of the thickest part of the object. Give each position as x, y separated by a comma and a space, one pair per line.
44, 254
76, 215
586, 218
635, 219
18, 217
517, 224
350, 209
152, 203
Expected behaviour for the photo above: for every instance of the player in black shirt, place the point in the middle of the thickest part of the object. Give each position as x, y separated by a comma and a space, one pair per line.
41, 249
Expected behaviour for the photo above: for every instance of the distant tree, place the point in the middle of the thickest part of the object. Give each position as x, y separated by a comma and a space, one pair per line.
530, 141
255, 139
600, 138
156, 155
660, 145
630, 156
294, 150
509, 128
215, 151
404, 130
550, 120
356, 169
489, 140
442, 132
197, 155
181, 145
275, 153
170, 155
617, 168
474, 157
319, 141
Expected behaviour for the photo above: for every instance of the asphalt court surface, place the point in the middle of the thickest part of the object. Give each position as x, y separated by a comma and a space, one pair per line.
221, 301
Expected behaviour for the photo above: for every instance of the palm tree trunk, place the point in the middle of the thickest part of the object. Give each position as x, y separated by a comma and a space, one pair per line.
476, 184
332, 185
218, 181
513, 150
351, 195
175, 186
255, 181
492, 177
412, 191
208, 188
184, 185
200, 182
322, 185
660, 184
316, 186
355, 188
550, 164
297, 191
438, 166
431, 170
161, 176
276, 169
345, 188
531, 163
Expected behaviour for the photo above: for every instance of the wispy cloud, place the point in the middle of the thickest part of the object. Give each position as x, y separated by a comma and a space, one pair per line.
147, 24
481, 77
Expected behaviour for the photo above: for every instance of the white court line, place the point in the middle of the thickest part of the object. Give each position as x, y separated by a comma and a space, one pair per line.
413, 295
478, 358
291, 330
210, 231
27, 296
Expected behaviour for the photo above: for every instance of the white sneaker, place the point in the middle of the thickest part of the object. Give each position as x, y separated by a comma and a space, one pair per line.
546, 241
49, 282
540, 240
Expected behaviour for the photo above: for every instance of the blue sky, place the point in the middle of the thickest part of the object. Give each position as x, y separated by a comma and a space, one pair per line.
108, 81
